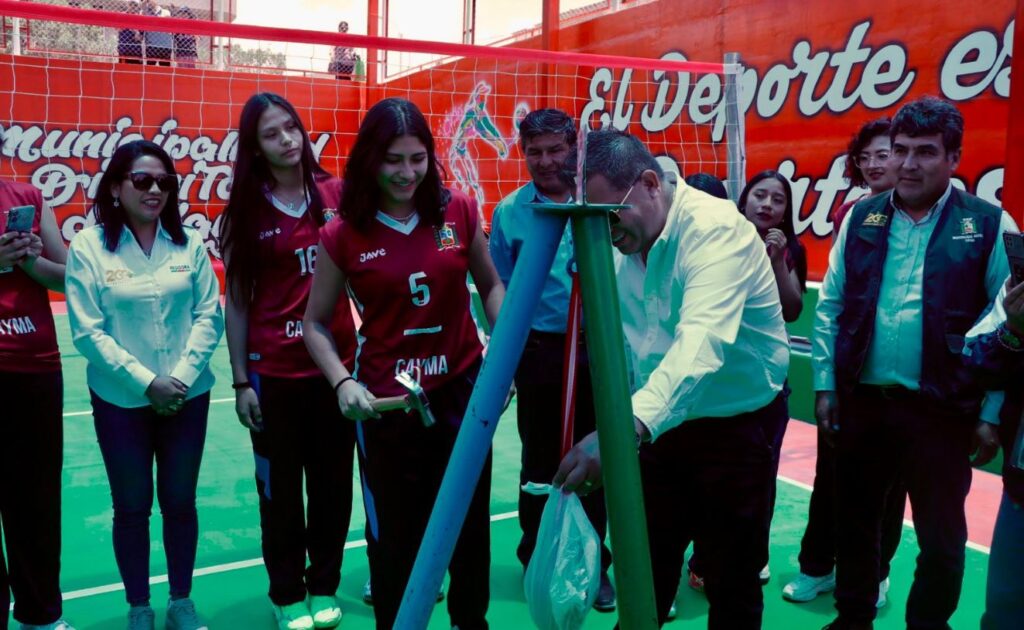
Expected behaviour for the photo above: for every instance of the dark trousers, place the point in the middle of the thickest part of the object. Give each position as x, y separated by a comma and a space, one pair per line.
775, 431
710, 479
31, 456
404, 464
304, 436
1004, 593
130, 439
818, 546
539, 415
884, 436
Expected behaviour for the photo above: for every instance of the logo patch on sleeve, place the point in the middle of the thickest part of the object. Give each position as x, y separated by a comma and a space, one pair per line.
446, 238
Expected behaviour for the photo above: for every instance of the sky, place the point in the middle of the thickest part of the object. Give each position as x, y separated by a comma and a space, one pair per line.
435, 20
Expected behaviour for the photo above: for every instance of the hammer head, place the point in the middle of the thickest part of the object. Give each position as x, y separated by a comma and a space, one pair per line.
417, 398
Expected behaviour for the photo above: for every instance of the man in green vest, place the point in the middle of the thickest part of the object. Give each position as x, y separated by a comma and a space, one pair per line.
911, 271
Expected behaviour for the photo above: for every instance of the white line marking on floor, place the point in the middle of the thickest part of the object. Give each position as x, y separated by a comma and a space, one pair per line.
906, 522
224, 568
356, 544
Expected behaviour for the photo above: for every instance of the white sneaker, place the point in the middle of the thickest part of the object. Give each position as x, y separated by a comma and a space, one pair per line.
805, 587
325, 611
181, 615
60, 624
293, 616
764, 574
883, 592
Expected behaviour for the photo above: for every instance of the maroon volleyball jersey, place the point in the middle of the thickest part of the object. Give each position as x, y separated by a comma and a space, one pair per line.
409, 284
28, 340
287, 257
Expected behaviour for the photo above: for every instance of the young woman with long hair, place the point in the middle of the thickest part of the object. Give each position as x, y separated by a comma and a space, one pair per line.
280, 199
403, 251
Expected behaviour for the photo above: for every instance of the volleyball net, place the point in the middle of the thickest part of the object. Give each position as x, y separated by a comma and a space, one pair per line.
78, 78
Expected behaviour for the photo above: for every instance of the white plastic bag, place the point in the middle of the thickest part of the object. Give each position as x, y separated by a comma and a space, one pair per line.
564, 573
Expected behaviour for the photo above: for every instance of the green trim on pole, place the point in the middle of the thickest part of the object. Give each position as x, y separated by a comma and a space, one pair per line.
614, 410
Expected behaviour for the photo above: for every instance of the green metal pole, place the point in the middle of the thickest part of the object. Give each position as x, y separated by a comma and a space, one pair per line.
614, 411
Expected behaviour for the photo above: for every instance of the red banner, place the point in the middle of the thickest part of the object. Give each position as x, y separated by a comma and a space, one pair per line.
815, 71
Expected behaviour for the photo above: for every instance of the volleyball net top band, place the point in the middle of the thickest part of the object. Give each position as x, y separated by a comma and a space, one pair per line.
79, 81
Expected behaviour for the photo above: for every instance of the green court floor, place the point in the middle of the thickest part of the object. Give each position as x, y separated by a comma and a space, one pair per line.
230, 587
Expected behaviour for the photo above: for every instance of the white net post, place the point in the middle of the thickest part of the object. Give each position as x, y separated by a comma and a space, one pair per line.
735, 133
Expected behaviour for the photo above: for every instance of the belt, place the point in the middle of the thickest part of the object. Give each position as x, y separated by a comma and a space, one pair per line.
887, 392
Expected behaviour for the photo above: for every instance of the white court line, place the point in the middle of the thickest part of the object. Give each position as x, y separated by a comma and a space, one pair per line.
222, 568
906, 522
72, 414
356, 544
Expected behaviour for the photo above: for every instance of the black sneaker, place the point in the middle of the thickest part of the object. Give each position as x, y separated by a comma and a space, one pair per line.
605, 595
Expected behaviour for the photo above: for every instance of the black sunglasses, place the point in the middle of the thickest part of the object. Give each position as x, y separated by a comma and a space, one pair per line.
144, 181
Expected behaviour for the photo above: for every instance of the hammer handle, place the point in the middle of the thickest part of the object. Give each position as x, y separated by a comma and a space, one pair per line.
391, 403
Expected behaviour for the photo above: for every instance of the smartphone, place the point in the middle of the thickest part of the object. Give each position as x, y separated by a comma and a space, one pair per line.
1015, 255
20, 219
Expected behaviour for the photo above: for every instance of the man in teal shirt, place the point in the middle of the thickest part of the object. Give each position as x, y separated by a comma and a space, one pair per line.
910, 273
548, 140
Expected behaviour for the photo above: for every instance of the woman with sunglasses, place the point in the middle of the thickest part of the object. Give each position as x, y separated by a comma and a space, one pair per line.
403, 252
32, 256
144, 308
280, 198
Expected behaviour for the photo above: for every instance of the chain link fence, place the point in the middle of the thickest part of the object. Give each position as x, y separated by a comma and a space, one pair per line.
74, 41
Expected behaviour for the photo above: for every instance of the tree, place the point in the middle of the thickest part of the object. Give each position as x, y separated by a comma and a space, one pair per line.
257, 60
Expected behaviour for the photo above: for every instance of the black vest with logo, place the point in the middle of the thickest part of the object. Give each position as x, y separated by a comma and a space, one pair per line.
954, 294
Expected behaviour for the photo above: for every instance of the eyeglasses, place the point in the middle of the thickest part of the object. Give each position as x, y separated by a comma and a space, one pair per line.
144, 181
613, 215
864, 160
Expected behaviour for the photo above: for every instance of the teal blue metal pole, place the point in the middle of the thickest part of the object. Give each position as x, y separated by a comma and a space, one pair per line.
481, 420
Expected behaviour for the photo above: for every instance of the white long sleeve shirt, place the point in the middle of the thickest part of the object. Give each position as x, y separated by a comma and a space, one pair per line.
703, 321
135, 317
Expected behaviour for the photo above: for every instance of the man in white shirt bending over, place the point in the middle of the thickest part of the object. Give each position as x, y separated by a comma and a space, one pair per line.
706, 378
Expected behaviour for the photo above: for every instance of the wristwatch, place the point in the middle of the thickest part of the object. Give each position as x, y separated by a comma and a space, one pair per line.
1009, 340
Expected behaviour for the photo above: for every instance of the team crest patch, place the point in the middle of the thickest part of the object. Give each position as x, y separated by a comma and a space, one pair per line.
446, 238
329, 214
967, 230
876, 219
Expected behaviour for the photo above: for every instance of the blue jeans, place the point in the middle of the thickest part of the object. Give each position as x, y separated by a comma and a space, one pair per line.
1004, 595
129, 440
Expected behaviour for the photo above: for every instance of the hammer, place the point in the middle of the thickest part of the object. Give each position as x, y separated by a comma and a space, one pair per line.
415, 400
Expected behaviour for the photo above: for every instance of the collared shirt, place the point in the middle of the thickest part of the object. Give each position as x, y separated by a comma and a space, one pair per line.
135, 317
508, 231
894, 356
702, 318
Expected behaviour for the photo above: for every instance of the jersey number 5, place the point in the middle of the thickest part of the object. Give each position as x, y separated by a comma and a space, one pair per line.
420, 292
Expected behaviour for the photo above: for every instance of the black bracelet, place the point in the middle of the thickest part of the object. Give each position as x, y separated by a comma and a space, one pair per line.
242, 385
342, 382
